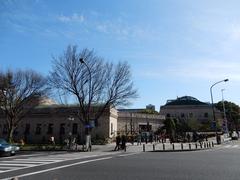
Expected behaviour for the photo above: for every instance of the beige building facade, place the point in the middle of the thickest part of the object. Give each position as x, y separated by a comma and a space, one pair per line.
189, 108
60, 122
134, 122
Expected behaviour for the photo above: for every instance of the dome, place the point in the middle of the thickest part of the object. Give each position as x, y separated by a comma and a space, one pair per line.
185, 100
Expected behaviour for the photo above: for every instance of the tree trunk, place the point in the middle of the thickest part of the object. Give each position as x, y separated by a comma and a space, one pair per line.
10, 135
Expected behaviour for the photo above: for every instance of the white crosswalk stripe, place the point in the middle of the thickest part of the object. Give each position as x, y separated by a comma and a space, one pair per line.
17, 163
230, 146
227, 146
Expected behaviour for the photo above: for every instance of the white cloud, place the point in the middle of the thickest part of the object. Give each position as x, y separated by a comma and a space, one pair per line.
73, 18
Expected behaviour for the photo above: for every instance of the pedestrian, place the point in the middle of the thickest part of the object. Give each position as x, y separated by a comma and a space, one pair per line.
146, 138
53, 140
118, 142
206, 137
151, 138
123, 145
22, 142
188, 137
139, 139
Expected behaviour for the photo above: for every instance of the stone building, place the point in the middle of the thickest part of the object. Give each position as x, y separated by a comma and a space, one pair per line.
134, 121
189, 108
60, 122
51, 119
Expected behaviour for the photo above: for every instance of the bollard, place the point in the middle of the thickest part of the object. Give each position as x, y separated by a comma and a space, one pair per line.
189, 146
182, 146
163, 145
153, 147
195, 145
201, 145
173, 146
212, 144
204, 145
143, 147
207, 145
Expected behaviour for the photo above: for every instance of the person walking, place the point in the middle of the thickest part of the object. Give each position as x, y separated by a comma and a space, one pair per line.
123, 145
139, 139
118, 141
188, 137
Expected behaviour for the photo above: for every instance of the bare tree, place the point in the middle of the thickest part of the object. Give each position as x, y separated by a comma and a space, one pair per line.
95, 85
20, 92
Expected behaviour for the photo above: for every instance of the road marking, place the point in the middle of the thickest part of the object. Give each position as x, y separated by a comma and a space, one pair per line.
9, 164
38, 161
31, 155
227, 146
6, 167
60, 167
46, 160
34, 160
27, 162
123, 155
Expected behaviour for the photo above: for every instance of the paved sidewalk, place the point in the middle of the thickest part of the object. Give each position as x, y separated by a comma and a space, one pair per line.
155, 146
160, 147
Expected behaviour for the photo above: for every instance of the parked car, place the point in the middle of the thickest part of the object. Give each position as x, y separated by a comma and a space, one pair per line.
8, 149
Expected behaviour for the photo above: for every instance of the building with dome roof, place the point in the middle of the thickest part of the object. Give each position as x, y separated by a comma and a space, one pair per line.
188, 108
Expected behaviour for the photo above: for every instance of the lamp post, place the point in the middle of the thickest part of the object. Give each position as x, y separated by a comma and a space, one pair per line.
224, 113
87, 126
214, 118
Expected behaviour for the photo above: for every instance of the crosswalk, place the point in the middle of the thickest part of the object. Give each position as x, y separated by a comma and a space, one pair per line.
231, 146
18, 163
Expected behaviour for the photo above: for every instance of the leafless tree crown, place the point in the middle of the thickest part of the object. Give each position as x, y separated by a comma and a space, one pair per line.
111, 85
19, 92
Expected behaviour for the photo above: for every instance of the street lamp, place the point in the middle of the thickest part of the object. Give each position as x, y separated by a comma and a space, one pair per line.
214, 118
88, 137
224, 113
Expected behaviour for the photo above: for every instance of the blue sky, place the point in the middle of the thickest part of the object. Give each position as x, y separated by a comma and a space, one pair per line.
175, 47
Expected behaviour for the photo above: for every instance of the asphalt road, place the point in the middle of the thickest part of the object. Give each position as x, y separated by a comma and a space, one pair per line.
221, 163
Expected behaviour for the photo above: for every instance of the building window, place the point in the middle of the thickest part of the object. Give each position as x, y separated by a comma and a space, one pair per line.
206, 115
168, 115
27, 129
112, 131
62, 128
50, 129
38, 128
75, 128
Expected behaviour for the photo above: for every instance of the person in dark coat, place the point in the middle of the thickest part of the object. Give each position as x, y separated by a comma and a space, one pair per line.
118, 141
124, 139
